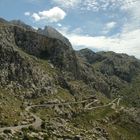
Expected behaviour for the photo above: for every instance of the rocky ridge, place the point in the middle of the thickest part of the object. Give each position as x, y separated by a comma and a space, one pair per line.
41, 65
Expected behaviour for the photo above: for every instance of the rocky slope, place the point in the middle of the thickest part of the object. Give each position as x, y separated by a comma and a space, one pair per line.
40, 65
120, 71
53, 33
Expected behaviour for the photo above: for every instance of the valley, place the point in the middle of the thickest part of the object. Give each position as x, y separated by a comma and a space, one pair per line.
49, 91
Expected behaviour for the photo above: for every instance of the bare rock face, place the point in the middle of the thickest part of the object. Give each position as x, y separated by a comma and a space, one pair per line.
41, 67
114, 71
21, 24
53, 33
27, 57
17, 69
110, 63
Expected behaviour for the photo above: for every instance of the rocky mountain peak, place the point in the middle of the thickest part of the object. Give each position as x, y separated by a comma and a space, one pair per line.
21, 24
43, 79
53, 33
3, 20
90, 56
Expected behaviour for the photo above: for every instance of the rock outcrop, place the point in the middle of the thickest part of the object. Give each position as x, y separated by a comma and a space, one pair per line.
40, 66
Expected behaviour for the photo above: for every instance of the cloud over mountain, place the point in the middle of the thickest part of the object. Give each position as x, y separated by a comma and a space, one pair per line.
52, 15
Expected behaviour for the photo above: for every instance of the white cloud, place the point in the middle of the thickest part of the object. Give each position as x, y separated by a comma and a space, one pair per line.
67, 3
108, 27
36, 28
78, 30
36, 17
27, 13
132, 8
122, 43
96, 5
127, 41
59, 25
53, 15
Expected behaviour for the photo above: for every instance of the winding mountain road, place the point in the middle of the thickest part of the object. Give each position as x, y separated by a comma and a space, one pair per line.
37, 123
102, 106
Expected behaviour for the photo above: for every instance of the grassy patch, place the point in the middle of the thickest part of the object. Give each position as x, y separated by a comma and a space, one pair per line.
101, 97
10, 108
131, 94
62, 95
118, 132
85, 119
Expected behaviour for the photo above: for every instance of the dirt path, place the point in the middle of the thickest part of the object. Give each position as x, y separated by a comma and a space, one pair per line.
96, 107
37, 123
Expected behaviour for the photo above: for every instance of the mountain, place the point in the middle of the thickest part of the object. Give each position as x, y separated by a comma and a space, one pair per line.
120, 71
39, 68
3, 20
53, 33
21, 24
121, 65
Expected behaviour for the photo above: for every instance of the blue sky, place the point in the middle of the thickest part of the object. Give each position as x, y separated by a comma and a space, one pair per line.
101, 25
